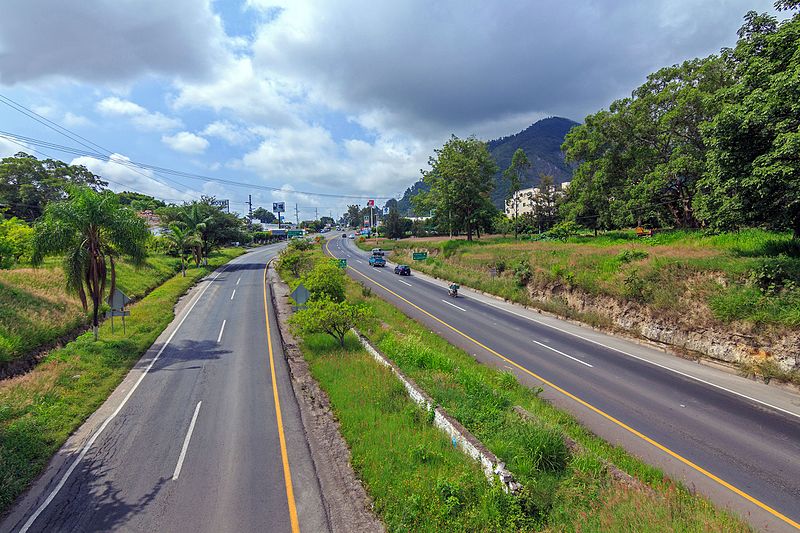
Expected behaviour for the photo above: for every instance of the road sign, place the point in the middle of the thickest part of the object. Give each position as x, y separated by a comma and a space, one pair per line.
300, 296
117, 302
419, 256
278, 207
222, 204
294, 233
370, 203
342, 263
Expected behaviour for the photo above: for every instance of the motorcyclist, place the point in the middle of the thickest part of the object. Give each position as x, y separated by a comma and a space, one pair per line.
452, 289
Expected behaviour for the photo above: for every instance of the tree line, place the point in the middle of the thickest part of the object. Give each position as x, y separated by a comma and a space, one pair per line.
711, 142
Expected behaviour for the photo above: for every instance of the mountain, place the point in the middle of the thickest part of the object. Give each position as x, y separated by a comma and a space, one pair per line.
542, 144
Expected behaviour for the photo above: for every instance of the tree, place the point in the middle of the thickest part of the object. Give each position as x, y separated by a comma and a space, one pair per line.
753, 175
325, 281
16, 239
214, 226
326, 316
461, 178
353, 216
514, 173
544, 201
327, 221
394, 224
92, 231
139, 202
266, 217
27, 184
184, 242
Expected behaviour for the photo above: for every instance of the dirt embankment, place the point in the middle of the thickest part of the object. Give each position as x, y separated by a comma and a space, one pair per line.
694, 332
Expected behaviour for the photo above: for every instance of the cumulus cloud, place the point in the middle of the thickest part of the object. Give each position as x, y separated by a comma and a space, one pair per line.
139, 116
107, 40
186, 142
9, 147
228, 131
122, 177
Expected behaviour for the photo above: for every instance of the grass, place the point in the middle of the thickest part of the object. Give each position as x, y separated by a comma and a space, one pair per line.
36, 309
562, 492
39, 410
673, 272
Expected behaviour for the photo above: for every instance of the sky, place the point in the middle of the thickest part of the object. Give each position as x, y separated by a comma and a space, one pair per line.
320, 103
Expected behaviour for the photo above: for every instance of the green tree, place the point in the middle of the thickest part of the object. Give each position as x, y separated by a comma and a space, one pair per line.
353, 216
28, 184
92, 231
266, 217
326, 316
183, 242
16, 240
514, 174
214, 226
461, 178
394, 224
139, 202
325, 281
753, 175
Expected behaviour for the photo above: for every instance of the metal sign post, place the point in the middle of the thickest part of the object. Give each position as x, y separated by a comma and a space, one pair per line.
300, 296
117, 302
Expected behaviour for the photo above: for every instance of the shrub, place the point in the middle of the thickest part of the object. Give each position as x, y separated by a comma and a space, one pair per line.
772, 274
16, 240
628, 256
636, 287
300, 245
294, 261
522, 272
563, 230
325, 281
326, 316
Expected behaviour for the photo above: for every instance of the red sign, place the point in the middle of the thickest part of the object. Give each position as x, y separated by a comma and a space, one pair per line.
370, 203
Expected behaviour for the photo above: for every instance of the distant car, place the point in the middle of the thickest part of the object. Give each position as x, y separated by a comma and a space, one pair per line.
344, 235
377, 261
403, 270
377, 251
352, 236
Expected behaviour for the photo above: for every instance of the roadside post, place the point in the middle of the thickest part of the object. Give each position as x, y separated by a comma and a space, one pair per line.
117, 302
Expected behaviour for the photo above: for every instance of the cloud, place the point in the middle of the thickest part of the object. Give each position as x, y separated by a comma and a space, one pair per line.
9, 147
455, 65
123, 177
102, 41
71, 120
140, 117
229, 132
186, 142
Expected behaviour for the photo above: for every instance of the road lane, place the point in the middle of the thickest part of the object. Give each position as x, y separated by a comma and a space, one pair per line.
731, 438
165, 463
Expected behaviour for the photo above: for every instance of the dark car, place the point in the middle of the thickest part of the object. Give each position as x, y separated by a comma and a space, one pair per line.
403, 270
377, 261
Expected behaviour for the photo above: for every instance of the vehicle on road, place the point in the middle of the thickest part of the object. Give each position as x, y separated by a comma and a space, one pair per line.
377, 261
377, 251
402, 270
352, 236
452, 290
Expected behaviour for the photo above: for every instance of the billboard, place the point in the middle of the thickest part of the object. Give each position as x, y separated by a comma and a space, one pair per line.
222, 204
278, 207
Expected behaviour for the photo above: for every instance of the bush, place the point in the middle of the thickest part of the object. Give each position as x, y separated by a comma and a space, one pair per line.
300, 245
16, 240
294, 261
325, 281
773, 274
563, 230
522, 272
628, 256
326, 316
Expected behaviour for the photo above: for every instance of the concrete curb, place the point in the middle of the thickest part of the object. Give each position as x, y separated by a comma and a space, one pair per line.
459, 435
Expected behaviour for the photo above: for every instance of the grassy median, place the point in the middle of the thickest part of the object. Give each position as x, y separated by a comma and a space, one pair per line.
39, 410
562, 491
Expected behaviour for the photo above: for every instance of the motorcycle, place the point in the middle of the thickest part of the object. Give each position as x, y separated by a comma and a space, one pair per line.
452, 291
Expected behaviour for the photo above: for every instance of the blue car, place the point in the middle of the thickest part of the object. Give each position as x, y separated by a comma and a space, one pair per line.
377, 261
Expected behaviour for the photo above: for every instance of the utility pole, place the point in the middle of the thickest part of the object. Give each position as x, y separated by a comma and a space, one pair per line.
316, 214
297, 215
250, 205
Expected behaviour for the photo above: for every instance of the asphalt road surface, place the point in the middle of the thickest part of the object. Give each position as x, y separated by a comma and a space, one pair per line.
734, 440
197, 445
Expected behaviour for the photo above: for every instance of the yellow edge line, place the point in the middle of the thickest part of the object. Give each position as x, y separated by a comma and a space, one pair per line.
621, 424
287, 474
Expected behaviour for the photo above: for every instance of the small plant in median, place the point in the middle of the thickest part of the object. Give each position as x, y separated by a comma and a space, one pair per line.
327, 316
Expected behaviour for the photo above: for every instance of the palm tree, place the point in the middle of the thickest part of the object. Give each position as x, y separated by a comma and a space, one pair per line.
92, 231
196, 222
184, 241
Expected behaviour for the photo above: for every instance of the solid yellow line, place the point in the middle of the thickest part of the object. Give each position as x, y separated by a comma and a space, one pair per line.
593, 408
287, 473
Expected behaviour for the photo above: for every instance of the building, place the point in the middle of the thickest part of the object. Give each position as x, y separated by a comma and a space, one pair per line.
524, 199
152, 220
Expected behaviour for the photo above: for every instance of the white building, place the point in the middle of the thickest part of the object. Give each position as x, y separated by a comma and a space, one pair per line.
521, 202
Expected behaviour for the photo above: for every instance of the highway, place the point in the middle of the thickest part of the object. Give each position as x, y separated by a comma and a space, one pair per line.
734, 440
193, 439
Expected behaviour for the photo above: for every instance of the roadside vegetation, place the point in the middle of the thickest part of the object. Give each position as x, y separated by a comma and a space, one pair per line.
422, 483
40, 409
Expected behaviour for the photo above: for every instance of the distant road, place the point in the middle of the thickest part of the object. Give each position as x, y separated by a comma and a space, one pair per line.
735, 440
197, 446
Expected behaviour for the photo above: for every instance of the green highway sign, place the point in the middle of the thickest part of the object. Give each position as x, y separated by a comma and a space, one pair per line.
419, 256
294, 233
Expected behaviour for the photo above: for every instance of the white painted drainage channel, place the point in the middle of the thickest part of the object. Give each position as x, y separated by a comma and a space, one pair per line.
459, 435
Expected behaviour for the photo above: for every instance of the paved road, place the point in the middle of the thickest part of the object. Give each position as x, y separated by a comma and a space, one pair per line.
196, 447
716, 431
